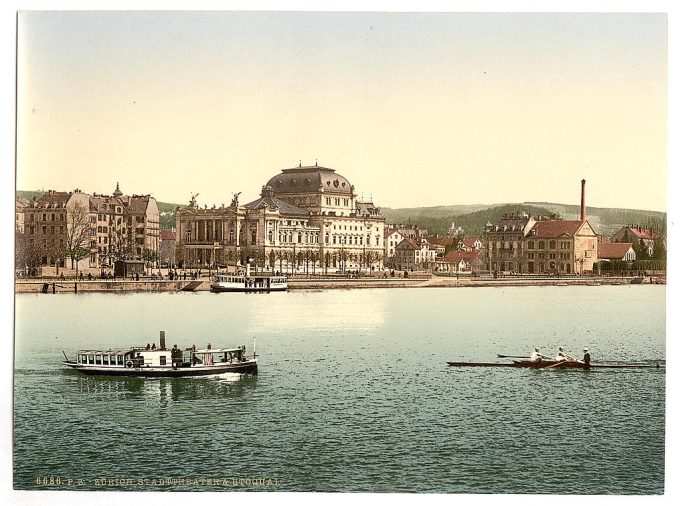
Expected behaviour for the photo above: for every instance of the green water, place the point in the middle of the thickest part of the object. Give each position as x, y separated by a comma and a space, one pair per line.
353, 394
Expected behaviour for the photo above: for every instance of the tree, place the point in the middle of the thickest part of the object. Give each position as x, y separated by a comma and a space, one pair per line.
120, 242
641, 251
659, 252
28, 253
150, 256
78, 234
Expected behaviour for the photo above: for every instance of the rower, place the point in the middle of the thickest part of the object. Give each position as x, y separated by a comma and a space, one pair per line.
536, 355
562, 355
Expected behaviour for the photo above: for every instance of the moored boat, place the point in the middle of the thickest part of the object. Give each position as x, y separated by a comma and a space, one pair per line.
247, 282
243, 283
162, 362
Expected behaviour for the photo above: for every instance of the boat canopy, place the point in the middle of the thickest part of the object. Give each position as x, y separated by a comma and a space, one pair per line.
218, 350
109, 352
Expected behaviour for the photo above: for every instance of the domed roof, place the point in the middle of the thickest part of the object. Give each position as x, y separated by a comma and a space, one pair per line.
310, 180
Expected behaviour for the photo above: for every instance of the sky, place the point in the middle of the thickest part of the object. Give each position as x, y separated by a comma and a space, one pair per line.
414, 109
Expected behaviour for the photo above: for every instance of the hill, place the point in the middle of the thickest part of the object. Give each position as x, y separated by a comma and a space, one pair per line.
437, 220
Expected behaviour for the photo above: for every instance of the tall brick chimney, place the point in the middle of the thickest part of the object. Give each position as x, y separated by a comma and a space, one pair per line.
583, 200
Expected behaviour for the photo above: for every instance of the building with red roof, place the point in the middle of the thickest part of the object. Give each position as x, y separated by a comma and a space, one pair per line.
638, 234
415, 254
461, 261
523, 243
616, 251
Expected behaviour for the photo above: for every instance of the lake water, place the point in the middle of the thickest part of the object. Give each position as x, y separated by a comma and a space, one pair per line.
354, 393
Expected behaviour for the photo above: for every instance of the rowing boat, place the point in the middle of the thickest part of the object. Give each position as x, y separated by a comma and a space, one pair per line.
553, 364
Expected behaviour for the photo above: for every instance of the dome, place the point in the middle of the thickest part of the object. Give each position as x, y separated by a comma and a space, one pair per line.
310, 180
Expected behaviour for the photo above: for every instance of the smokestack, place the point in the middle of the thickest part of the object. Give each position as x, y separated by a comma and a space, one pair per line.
162, 343
583, 200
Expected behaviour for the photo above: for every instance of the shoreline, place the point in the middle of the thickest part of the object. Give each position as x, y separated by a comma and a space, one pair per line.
55, 286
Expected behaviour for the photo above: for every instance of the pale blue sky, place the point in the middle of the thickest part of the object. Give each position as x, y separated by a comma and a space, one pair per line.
414, 109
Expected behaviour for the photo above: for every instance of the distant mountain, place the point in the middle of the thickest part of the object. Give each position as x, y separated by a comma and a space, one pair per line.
473, 218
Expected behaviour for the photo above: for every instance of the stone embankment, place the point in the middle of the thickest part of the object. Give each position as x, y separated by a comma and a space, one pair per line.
49, 286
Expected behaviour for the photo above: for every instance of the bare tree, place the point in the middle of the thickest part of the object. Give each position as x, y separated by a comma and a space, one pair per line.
28, 253
77, 234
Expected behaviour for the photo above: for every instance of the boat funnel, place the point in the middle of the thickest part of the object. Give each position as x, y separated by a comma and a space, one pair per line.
162, 339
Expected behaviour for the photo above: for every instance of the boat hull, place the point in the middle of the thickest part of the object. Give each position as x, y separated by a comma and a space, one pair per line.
552, 364
220, 288
249, 367
524, 364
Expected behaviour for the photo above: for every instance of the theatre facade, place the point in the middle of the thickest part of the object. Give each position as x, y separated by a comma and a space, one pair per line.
306, 220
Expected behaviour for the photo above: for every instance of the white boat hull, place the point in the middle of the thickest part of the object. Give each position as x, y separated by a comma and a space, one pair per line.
246, 367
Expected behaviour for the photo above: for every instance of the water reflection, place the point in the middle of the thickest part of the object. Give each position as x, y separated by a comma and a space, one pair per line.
162, 390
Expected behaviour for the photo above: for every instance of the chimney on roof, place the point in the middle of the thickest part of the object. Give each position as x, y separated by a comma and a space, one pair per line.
583, 200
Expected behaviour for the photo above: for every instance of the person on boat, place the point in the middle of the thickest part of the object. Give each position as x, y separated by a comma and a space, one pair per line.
148, 347
153, 346
562, 355
536, 355
586, 358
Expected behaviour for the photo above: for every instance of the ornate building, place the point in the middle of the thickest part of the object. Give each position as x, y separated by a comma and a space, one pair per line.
126, 228
79, 231
307, 219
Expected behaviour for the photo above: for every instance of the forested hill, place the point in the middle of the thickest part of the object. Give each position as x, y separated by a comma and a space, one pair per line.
437, 220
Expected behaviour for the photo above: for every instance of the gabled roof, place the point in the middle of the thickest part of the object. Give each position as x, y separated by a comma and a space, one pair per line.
613, 250
643, 233
551, 229
52, 198
457, 256
470, 241
272, 202
442, 241
409, 243
167, 235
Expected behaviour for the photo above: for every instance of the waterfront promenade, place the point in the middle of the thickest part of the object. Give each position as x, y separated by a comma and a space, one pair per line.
56, 285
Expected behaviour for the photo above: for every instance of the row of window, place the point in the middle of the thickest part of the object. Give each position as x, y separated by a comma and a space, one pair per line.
565, 245
551, 256
336, 201
53, 230
52, 216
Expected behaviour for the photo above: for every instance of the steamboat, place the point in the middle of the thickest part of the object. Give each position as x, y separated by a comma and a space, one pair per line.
248, 282
149, 361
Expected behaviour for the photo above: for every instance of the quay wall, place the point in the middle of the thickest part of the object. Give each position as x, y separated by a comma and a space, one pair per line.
49, 286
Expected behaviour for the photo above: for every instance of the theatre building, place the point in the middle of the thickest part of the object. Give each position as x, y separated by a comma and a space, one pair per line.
307, 219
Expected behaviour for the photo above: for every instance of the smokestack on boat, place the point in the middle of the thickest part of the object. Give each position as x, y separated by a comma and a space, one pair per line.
583, 200
162, 339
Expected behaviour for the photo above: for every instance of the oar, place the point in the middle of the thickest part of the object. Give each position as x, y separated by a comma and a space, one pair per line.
561, 362
510, 356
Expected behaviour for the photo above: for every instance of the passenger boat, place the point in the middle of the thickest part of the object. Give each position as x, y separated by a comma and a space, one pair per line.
163, 362
553, 364
243, 283
248, 282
